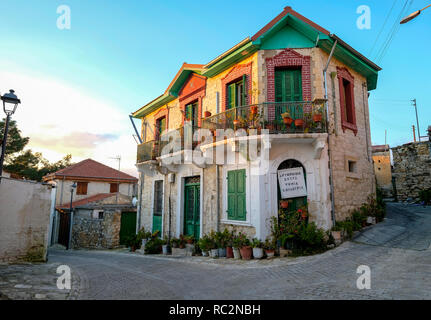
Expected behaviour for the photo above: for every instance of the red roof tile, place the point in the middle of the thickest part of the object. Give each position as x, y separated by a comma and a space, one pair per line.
91, 169
96, 197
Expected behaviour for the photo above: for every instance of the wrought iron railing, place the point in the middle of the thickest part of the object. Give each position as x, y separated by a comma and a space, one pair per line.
277, 117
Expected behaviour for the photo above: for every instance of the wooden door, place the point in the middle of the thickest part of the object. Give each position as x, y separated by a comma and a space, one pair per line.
158, 206
64, 229
128, 226
192, 207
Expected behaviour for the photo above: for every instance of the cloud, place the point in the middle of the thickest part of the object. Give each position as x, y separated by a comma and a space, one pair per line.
61, 119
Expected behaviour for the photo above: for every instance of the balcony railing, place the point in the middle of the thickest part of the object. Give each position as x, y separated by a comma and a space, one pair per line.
278, 117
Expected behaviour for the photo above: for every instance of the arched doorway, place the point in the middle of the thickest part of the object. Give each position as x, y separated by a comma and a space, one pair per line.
294, 202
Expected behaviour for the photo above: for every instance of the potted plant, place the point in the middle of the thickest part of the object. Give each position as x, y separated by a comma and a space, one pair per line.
245, 248
133, 243
207, 114
229, 245
269, 247
287, 119
257, 248
236, 122
253, 110
189, 239
205, 244
166, 248
236, 244
299, 123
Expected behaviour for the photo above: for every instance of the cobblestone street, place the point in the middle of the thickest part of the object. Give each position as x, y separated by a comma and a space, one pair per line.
397, 252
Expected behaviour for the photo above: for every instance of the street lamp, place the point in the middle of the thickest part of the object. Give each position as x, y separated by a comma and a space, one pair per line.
413, 15
10, 103
72, 188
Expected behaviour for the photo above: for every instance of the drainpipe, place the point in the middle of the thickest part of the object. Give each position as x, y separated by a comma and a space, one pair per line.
141, 187
331, 178
218, 198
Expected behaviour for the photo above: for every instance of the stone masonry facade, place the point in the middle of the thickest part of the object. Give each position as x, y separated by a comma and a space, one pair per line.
412, 169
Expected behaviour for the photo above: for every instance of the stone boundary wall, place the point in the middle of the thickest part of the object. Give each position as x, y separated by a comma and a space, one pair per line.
412, 169
24, 220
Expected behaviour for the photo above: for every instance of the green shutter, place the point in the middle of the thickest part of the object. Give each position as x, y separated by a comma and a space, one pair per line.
288, 85
230, 96
236, 196
279, 88
296, 85
244, 90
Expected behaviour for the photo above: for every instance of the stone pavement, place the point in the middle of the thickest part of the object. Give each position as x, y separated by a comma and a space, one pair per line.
396, 250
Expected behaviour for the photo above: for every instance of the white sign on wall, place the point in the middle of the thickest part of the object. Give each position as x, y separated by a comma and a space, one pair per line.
292, 183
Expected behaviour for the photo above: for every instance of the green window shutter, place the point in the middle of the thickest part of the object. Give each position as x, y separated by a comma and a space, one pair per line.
288, 85
244, 90
230, 96
279, 89
231, 195
296, 85
236, 195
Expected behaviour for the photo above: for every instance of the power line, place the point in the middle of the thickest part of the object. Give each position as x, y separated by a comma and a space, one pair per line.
393, 31
383, 27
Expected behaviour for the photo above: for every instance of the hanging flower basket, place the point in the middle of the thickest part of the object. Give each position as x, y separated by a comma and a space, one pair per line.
284, 204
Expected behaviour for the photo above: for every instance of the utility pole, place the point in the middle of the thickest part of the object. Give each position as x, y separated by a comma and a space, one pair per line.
417, 119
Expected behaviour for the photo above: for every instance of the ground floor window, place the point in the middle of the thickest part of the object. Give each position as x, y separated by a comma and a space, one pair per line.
236, 195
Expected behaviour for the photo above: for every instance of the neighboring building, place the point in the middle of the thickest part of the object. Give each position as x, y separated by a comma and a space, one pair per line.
252, 86
412, 169
101, 193
383, 168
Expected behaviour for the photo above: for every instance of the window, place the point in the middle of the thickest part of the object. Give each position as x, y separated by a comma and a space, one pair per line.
160, 127
192, 113
347, 101
113, 188
352, 166
81, 188
97, 214
288, 85
236, 197
237, 93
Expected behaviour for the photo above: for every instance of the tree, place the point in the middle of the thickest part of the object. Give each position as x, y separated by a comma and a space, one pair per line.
33, 166
15, 141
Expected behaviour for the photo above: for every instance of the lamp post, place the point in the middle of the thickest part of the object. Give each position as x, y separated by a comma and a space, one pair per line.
10, 103
72, 188
413, 15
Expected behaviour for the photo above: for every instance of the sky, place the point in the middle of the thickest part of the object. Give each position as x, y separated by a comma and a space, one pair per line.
78, 85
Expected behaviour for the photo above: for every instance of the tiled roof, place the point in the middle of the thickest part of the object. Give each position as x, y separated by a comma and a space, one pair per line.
380, 148
91, 169
96, 197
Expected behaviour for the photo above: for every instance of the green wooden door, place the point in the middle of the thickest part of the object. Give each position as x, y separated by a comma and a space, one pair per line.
236, 195
294, 203
158, 206
288, 88
192, 209
128, 226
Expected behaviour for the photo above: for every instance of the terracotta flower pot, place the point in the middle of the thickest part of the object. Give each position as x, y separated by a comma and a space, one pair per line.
189, 241
317, 117
253, 109
246, 252
229, 252
207, 114
236, 122
288, 121
269, 253
299, 123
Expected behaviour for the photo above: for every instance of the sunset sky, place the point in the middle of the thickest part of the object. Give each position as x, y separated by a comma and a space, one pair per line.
78, 86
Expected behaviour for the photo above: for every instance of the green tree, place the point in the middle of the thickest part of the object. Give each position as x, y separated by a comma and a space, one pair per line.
15, 141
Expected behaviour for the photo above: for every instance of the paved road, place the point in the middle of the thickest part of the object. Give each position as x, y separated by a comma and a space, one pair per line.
397, 252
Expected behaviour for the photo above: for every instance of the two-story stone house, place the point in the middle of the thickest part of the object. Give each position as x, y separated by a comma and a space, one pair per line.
285, 110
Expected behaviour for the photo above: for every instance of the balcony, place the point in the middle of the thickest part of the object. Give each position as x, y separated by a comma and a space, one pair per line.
278, 117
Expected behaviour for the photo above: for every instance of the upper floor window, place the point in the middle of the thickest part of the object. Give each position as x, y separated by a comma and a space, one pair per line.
288, 85
160, 126
192, 113
81, 188
347, 99
113, 187
237, 93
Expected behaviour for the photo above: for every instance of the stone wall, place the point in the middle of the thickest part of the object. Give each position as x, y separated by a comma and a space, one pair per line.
93, 233
412, 169
24, 220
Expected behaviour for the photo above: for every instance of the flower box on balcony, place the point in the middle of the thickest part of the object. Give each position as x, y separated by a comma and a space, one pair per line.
299, 123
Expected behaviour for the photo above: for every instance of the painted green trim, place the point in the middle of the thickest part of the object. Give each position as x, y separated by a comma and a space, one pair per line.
352, 61
153, 105
240, 54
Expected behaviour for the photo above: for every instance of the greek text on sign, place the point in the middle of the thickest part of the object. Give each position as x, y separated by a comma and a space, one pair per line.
292, 183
